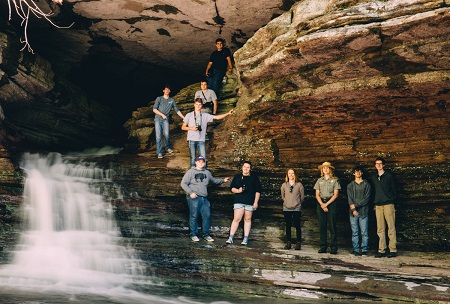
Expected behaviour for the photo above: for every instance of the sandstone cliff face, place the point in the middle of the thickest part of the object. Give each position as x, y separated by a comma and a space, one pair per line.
176, 34
347, 81
42, 111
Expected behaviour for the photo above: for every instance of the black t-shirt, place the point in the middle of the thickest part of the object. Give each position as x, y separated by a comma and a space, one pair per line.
250, 185
219, 59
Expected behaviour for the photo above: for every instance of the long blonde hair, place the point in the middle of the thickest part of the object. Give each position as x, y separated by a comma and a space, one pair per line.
331, 173
295, 175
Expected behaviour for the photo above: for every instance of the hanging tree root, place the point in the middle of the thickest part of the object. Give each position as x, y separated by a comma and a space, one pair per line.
23, 9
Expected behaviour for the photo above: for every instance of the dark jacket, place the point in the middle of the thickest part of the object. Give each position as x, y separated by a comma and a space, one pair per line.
361, 205
384, 187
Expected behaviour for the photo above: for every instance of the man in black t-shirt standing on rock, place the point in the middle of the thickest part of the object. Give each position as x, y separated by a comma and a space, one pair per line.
219, 63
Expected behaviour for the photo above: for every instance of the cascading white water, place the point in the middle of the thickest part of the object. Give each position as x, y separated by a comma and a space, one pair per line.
70, 238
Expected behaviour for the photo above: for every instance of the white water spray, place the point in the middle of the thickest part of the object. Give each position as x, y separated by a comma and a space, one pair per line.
70, 238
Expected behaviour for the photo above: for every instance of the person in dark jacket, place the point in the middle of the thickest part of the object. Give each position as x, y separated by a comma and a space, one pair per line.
358, 194
385, 194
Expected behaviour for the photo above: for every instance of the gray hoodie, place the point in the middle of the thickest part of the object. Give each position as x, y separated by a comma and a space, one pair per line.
196, 181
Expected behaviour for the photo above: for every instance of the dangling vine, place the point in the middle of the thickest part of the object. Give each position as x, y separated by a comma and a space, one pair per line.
23, 9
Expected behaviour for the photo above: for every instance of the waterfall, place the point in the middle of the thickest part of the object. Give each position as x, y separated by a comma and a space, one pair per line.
70, 237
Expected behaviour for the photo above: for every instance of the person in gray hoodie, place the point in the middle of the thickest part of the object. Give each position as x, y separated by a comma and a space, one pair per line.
195, 183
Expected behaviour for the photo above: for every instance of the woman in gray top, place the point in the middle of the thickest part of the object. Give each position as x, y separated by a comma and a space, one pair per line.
293, 194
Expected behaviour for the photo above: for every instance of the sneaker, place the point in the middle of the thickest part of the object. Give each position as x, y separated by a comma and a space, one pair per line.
244, 242
364, 253
334, 251
195, 239
356, 253
206, 136
160, 155
209, 239
380, 254
170, 151
392, 254
322, 250
288, 246
229, 241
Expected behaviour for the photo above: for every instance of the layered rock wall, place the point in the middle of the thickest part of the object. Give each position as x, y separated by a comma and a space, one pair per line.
43, 110
347, 81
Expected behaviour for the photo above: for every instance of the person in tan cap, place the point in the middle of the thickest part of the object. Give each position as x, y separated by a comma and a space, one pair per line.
327, 190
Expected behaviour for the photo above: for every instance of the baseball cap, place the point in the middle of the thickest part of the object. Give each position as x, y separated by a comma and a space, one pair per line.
200, 158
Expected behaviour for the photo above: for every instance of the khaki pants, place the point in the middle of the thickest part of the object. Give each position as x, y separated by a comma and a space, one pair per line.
386, 215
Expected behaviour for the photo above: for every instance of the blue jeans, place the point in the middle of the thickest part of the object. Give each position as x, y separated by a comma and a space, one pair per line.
360, 224
215, 80
199, 206
161, 126
196, 146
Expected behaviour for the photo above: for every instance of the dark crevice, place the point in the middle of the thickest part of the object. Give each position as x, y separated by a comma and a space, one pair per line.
218, 19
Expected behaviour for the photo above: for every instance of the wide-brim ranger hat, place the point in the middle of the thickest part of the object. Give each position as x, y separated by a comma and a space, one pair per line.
325, 164
200, 158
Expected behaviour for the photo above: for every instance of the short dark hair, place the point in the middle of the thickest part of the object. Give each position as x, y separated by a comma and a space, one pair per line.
198, 100
379, 158
220, 40
247, 162
167, 86
204, 80
357, 168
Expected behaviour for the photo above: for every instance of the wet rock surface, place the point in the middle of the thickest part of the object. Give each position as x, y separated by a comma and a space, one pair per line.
263, 269
157, 227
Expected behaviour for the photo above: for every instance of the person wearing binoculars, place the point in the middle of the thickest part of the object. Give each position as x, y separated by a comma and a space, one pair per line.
195, 124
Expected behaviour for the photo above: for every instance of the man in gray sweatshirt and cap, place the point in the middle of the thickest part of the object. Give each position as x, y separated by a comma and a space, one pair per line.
195, 183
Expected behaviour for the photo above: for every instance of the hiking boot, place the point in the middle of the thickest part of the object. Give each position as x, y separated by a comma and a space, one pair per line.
288, 246
380, 255
298, 246
392, 254
322, 250
356, 253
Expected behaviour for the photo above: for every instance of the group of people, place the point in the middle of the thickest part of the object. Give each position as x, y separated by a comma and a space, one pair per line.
247, 189
380, 186
205, 107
